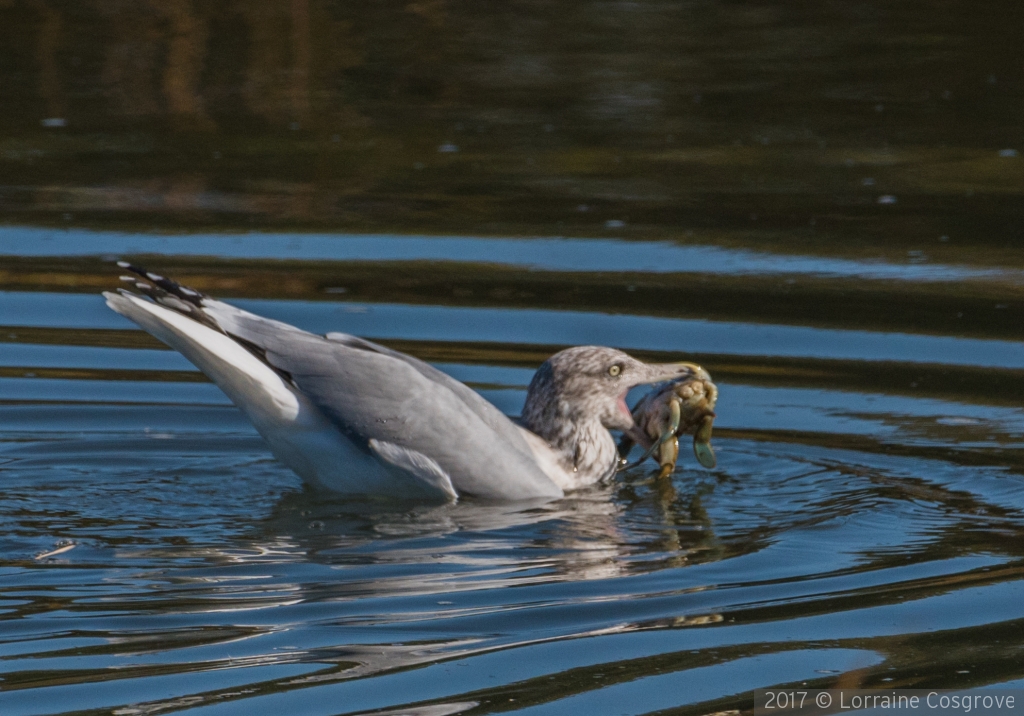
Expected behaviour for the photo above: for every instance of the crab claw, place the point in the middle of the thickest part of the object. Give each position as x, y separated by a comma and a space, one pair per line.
702, 449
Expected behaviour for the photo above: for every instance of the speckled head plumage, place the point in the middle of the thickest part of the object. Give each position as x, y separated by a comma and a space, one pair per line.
578, 383
578, 394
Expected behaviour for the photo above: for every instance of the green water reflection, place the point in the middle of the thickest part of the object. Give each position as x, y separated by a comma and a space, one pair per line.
780, 125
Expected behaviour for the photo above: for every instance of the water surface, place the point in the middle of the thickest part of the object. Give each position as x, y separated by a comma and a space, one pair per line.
858, 529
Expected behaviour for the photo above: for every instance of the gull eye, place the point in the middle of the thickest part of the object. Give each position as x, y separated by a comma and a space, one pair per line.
615, 370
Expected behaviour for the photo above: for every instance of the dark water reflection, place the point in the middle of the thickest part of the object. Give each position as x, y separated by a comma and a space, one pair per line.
820, 202
879, 126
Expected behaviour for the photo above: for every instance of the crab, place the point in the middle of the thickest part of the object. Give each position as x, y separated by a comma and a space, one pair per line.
671, 410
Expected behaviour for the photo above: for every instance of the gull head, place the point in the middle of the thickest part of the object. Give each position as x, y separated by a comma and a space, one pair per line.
586, 384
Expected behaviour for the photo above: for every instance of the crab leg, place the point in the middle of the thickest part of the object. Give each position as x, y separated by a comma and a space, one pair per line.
668, 444
674, 415
668, 455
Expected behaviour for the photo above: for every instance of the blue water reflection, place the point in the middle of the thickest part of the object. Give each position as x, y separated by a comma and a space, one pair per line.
525, 326
552, 254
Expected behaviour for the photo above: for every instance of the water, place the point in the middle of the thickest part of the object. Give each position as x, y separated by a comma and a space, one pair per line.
855, 531
480, 186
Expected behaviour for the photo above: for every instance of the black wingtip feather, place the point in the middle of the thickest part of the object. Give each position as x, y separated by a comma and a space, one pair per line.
169, 294
172, 287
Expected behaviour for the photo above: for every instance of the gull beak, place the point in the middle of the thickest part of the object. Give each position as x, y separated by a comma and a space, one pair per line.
662, 372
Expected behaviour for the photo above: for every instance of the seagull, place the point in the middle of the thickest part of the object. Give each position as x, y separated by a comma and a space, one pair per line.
357, 418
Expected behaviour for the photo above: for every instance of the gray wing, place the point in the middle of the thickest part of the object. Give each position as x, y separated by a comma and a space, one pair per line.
409, 413
373, 393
